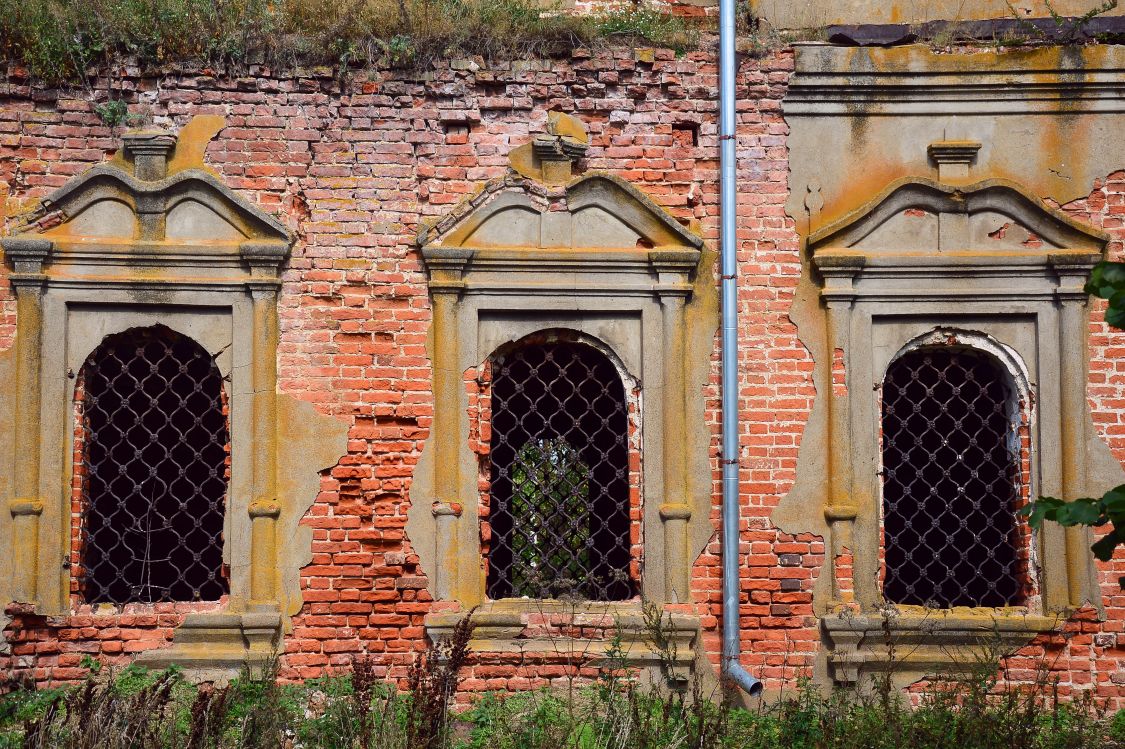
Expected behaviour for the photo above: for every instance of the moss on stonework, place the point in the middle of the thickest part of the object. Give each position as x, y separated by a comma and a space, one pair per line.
64, 40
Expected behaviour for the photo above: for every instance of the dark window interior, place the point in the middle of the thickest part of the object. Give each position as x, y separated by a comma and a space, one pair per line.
559, 506
155, 460
951, 481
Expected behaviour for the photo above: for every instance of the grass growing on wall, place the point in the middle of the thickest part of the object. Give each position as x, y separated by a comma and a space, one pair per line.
59, 40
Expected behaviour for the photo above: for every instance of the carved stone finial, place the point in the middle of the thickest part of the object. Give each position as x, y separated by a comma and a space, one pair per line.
550, 157
150, 151
953, 158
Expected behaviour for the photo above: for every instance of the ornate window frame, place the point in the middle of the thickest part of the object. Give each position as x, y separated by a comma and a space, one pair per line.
984, 264
131, 244
539, 250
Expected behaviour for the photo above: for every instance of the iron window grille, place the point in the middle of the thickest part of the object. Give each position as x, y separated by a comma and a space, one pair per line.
559, 476
952, 481
155, 467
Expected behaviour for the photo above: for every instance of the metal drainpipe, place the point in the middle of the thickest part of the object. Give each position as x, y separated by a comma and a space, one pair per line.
728, 246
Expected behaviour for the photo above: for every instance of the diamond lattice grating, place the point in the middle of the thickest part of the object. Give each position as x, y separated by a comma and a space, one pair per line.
951, 481
559, 476
155, 459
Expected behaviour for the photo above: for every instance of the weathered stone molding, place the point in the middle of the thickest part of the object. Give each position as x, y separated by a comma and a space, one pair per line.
986, 265
128, 245
913, 80
609, 265
909, 645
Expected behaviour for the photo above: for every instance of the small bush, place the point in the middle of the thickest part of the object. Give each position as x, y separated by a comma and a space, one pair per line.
640, 23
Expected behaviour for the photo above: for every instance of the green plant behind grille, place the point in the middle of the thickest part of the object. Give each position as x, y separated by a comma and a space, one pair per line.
551, 496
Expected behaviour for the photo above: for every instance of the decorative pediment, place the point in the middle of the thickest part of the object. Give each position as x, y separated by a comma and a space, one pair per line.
922, 217
599, 211
111, 214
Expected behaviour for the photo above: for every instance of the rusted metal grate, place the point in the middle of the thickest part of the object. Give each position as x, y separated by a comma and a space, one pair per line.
951, 481
559, 501
155, 464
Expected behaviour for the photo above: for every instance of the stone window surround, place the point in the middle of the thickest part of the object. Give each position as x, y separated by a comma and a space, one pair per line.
204, 263
1024, 303
628, 298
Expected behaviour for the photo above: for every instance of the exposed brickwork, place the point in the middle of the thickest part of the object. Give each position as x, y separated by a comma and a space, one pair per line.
353, 172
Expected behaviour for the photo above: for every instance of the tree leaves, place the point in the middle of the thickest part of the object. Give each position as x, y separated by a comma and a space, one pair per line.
1087, 511
1108, 282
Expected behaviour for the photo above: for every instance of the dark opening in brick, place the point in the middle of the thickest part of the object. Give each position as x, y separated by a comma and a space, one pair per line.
456, 133
686, 133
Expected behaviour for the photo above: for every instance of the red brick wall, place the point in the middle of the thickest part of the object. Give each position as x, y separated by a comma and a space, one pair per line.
352, 172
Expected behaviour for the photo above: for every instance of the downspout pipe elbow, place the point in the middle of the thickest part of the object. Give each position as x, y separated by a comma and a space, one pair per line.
742, 678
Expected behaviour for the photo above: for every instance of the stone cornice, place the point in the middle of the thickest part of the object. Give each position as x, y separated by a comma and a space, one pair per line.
833, 81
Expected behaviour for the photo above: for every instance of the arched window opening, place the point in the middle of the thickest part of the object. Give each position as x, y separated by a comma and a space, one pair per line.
951, 481
154, 463
559, 471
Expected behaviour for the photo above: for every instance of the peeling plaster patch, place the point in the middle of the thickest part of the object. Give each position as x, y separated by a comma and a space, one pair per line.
192, 142
801, 510
701, 319
308, 443
839, 374
191, 145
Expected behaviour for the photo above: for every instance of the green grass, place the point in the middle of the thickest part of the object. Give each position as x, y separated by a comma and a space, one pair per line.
60, 40
158, 710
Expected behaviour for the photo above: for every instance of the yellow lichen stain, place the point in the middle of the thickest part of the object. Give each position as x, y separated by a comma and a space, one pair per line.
192, 141
565, 126
1051, 63
873, 179
14, 211
522, 159
191, 145
981, 613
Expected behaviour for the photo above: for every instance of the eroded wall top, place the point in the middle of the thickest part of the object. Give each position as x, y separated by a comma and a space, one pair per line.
800, 14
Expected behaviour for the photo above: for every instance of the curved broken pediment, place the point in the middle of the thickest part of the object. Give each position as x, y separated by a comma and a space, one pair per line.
190, 205
110, 215
597, 211
918, 216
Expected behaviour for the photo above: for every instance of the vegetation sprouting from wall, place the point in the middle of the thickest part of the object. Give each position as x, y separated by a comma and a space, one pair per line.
63, 40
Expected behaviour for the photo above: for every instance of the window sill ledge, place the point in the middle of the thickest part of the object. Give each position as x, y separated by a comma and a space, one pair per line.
218, 646
914, 643
581, 632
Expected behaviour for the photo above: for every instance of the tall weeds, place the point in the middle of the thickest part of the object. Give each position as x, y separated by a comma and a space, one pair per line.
975, 706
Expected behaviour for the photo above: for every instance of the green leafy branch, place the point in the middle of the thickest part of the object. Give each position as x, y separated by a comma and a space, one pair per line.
1086, 511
